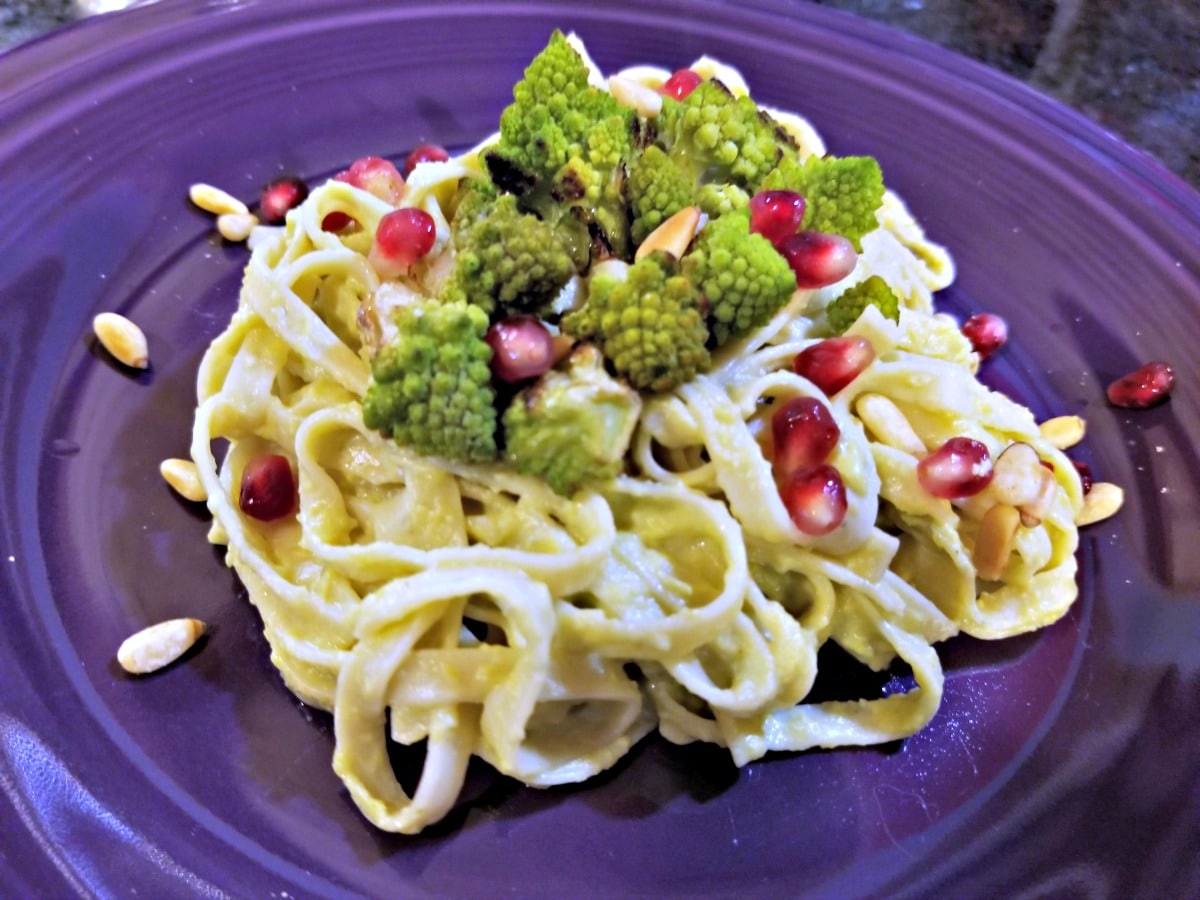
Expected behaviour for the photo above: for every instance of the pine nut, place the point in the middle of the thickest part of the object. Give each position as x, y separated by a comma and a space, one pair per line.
672, 236
236, 227
182, 476
1034, 510
888, 423
643, 100
216, 201
1102, 502
124, 340
159, 645
1017, 475
1063, 432
993, 545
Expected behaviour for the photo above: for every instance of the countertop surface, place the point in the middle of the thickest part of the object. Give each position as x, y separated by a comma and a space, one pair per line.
1134, 68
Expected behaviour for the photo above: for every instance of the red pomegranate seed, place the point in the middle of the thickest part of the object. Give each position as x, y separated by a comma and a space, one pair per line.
815, 498
280, 195
680, 84
268, 490
1085, 475
817, 258
403, 237
424, 153
377, 176
804, 435
1144, 387
961, 467
776, 215
336, 221
833, 363
522, 348
987, 333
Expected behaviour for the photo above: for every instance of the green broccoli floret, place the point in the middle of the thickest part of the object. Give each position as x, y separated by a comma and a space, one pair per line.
431, 388
573, 426
739, 273
563, 148
657, 188
845, 309
503, 257
719, 199
717, 137
647, 321
841, 193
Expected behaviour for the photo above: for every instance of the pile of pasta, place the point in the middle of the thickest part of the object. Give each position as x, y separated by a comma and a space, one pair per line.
475, 610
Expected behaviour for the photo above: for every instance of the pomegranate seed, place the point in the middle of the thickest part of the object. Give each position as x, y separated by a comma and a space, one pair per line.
1085, 475
268, 490
377, 176
1147, 386
804, 434
815, 498
833, 363
987, 333
335, 221
424, 153
682, 83
280, 195
403, 237
776, 215
817, 258
522, 348
961, 467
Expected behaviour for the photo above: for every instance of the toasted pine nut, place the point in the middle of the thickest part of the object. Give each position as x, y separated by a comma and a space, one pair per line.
236, 227
1017, 475
643, 100
888, 423
1034, 510
159, 645
1063, 432
182, 476
124, 340
1101, 502
674, 235
216, 201
994, 543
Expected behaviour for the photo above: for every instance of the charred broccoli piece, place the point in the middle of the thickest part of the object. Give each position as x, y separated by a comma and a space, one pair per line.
717, 137
572, 426
647, 320
841, 193
505, 259
431, 388
739, 273
845, 309
563, 148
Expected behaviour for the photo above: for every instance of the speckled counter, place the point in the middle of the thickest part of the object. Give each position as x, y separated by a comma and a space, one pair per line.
1133, 67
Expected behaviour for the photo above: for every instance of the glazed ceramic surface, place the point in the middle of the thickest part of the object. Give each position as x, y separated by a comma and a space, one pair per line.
1064, 762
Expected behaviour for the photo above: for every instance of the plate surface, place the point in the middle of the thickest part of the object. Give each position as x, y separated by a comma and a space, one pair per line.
1065, 762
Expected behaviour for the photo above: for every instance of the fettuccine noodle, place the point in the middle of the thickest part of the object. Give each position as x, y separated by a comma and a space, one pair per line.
474, 609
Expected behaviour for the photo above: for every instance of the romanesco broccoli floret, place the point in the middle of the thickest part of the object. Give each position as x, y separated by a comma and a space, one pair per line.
841, 193
505, 258
572, 426
647, 321
657, 189
563, 149
431, 388
739, 273
717, 137
844, 310
718, 199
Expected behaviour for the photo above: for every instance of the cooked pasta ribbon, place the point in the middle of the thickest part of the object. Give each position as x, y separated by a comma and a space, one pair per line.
474, 610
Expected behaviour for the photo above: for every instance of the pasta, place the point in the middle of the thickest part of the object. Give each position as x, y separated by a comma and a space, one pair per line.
474, 609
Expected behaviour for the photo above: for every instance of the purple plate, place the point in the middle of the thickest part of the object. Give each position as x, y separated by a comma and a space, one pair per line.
1063, 763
